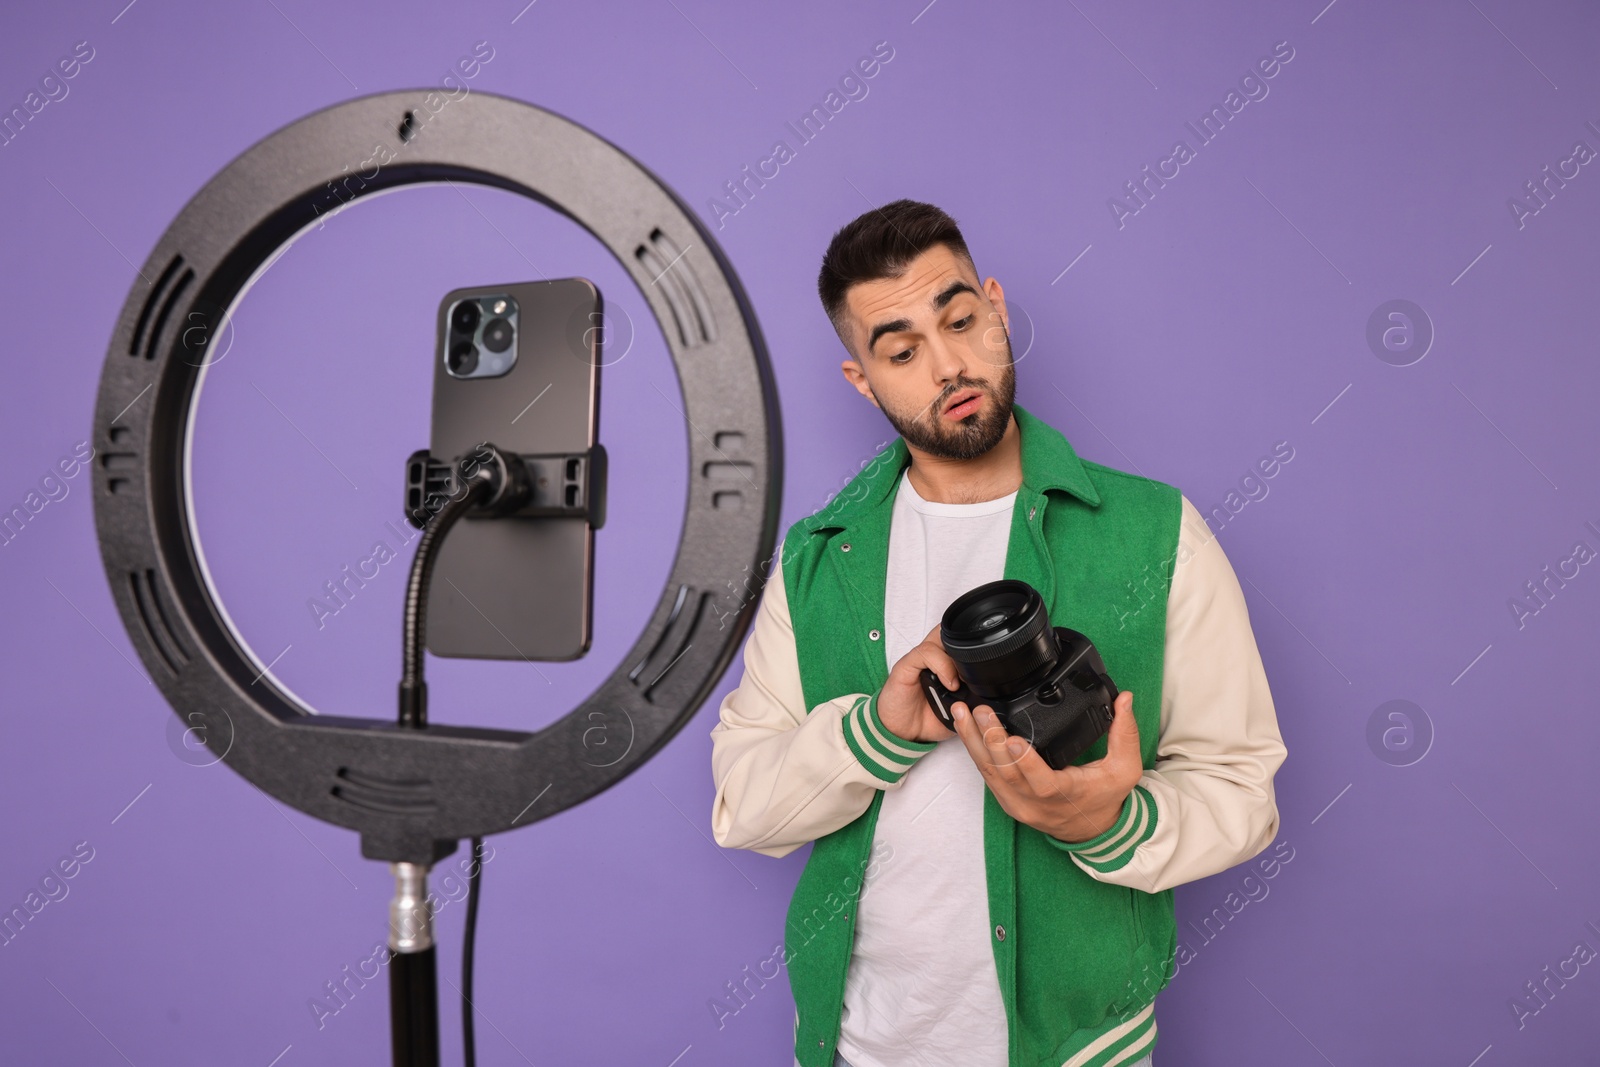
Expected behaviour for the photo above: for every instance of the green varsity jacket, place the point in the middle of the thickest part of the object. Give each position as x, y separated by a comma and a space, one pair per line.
1079, 960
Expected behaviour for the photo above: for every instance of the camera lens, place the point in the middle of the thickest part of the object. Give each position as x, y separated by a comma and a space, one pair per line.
497, 335
463, 358
464, 319
1000, 637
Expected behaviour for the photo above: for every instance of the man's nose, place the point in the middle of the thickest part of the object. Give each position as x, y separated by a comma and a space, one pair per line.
952, 358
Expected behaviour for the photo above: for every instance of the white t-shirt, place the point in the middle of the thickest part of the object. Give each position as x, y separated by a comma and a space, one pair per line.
922, 987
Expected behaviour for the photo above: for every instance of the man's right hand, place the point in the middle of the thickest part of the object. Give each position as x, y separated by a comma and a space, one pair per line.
901, 703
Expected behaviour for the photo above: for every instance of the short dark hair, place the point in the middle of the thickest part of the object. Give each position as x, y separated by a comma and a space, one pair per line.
880, 244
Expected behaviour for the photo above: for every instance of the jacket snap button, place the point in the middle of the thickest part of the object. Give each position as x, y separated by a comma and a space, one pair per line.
845, 547
1000, 933
873, 634
1032, 510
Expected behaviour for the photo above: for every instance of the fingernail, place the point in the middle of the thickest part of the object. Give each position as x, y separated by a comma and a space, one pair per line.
959, 710
1014, 747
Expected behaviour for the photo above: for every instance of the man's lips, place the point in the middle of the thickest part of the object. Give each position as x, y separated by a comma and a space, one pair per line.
965, 407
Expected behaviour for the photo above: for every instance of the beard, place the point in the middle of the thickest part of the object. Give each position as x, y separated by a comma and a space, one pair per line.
967, 438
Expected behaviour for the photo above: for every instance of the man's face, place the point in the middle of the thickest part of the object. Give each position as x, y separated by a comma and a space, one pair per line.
930, 337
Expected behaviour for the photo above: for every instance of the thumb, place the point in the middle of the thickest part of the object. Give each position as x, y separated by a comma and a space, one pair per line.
1122, 742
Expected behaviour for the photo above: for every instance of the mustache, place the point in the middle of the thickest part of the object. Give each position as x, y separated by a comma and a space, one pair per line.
937, 403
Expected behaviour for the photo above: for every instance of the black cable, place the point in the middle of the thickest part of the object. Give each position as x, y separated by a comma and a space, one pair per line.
468, 1040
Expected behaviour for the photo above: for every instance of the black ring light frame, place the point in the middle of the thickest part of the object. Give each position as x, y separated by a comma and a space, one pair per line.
412, 794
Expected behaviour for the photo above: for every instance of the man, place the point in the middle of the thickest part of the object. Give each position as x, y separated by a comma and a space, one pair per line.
964, 904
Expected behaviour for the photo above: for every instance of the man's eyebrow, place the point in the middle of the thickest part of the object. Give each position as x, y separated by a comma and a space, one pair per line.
948, 293
943, 297
892, 326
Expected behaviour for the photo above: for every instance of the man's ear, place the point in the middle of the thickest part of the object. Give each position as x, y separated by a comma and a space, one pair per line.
997, 297
858, 378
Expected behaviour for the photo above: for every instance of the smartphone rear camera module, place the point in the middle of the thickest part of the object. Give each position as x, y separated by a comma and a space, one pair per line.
482, 340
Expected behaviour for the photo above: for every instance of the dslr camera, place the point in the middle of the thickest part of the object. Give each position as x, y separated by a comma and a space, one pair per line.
1046, 684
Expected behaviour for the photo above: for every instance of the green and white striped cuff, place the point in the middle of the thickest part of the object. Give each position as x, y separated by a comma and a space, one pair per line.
1113, 849
887, 756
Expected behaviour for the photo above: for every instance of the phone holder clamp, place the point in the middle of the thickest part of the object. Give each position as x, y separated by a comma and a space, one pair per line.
538, 485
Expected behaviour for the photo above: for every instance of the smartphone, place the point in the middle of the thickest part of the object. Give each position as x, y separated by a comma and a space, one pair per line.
517, 366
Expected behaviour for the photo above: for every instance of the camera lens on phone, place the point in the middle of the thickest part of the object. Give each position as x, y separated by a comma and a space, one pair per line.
497, 335
464, 319
463, 359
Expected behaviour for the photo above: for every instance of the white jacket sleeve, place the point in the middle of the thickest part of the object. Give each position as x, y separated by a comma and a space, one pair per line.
1208, 802
783, 777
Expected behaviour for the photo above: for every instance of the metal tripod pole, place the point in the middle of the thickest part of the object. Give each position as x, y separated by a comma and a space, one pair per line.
413, 970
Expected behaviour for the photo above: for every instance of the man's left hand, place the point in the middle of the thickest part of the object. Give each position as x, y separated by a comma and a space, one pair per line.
1072, 804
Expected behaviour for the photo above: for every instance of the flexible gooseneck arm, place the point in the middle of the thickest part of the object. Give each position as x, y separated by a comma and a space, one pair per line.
476, 481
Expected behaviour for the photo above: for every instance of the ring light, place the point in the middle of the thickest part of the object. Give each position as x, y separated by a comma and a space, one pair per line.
413, 793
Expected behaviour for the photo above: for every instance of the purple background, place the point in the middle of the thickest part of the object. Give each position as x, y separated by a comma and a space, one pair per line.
1228, 314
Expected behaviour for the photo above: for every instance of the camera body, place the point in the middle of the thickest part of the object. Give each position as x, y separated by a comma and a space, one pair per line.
1046, 684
